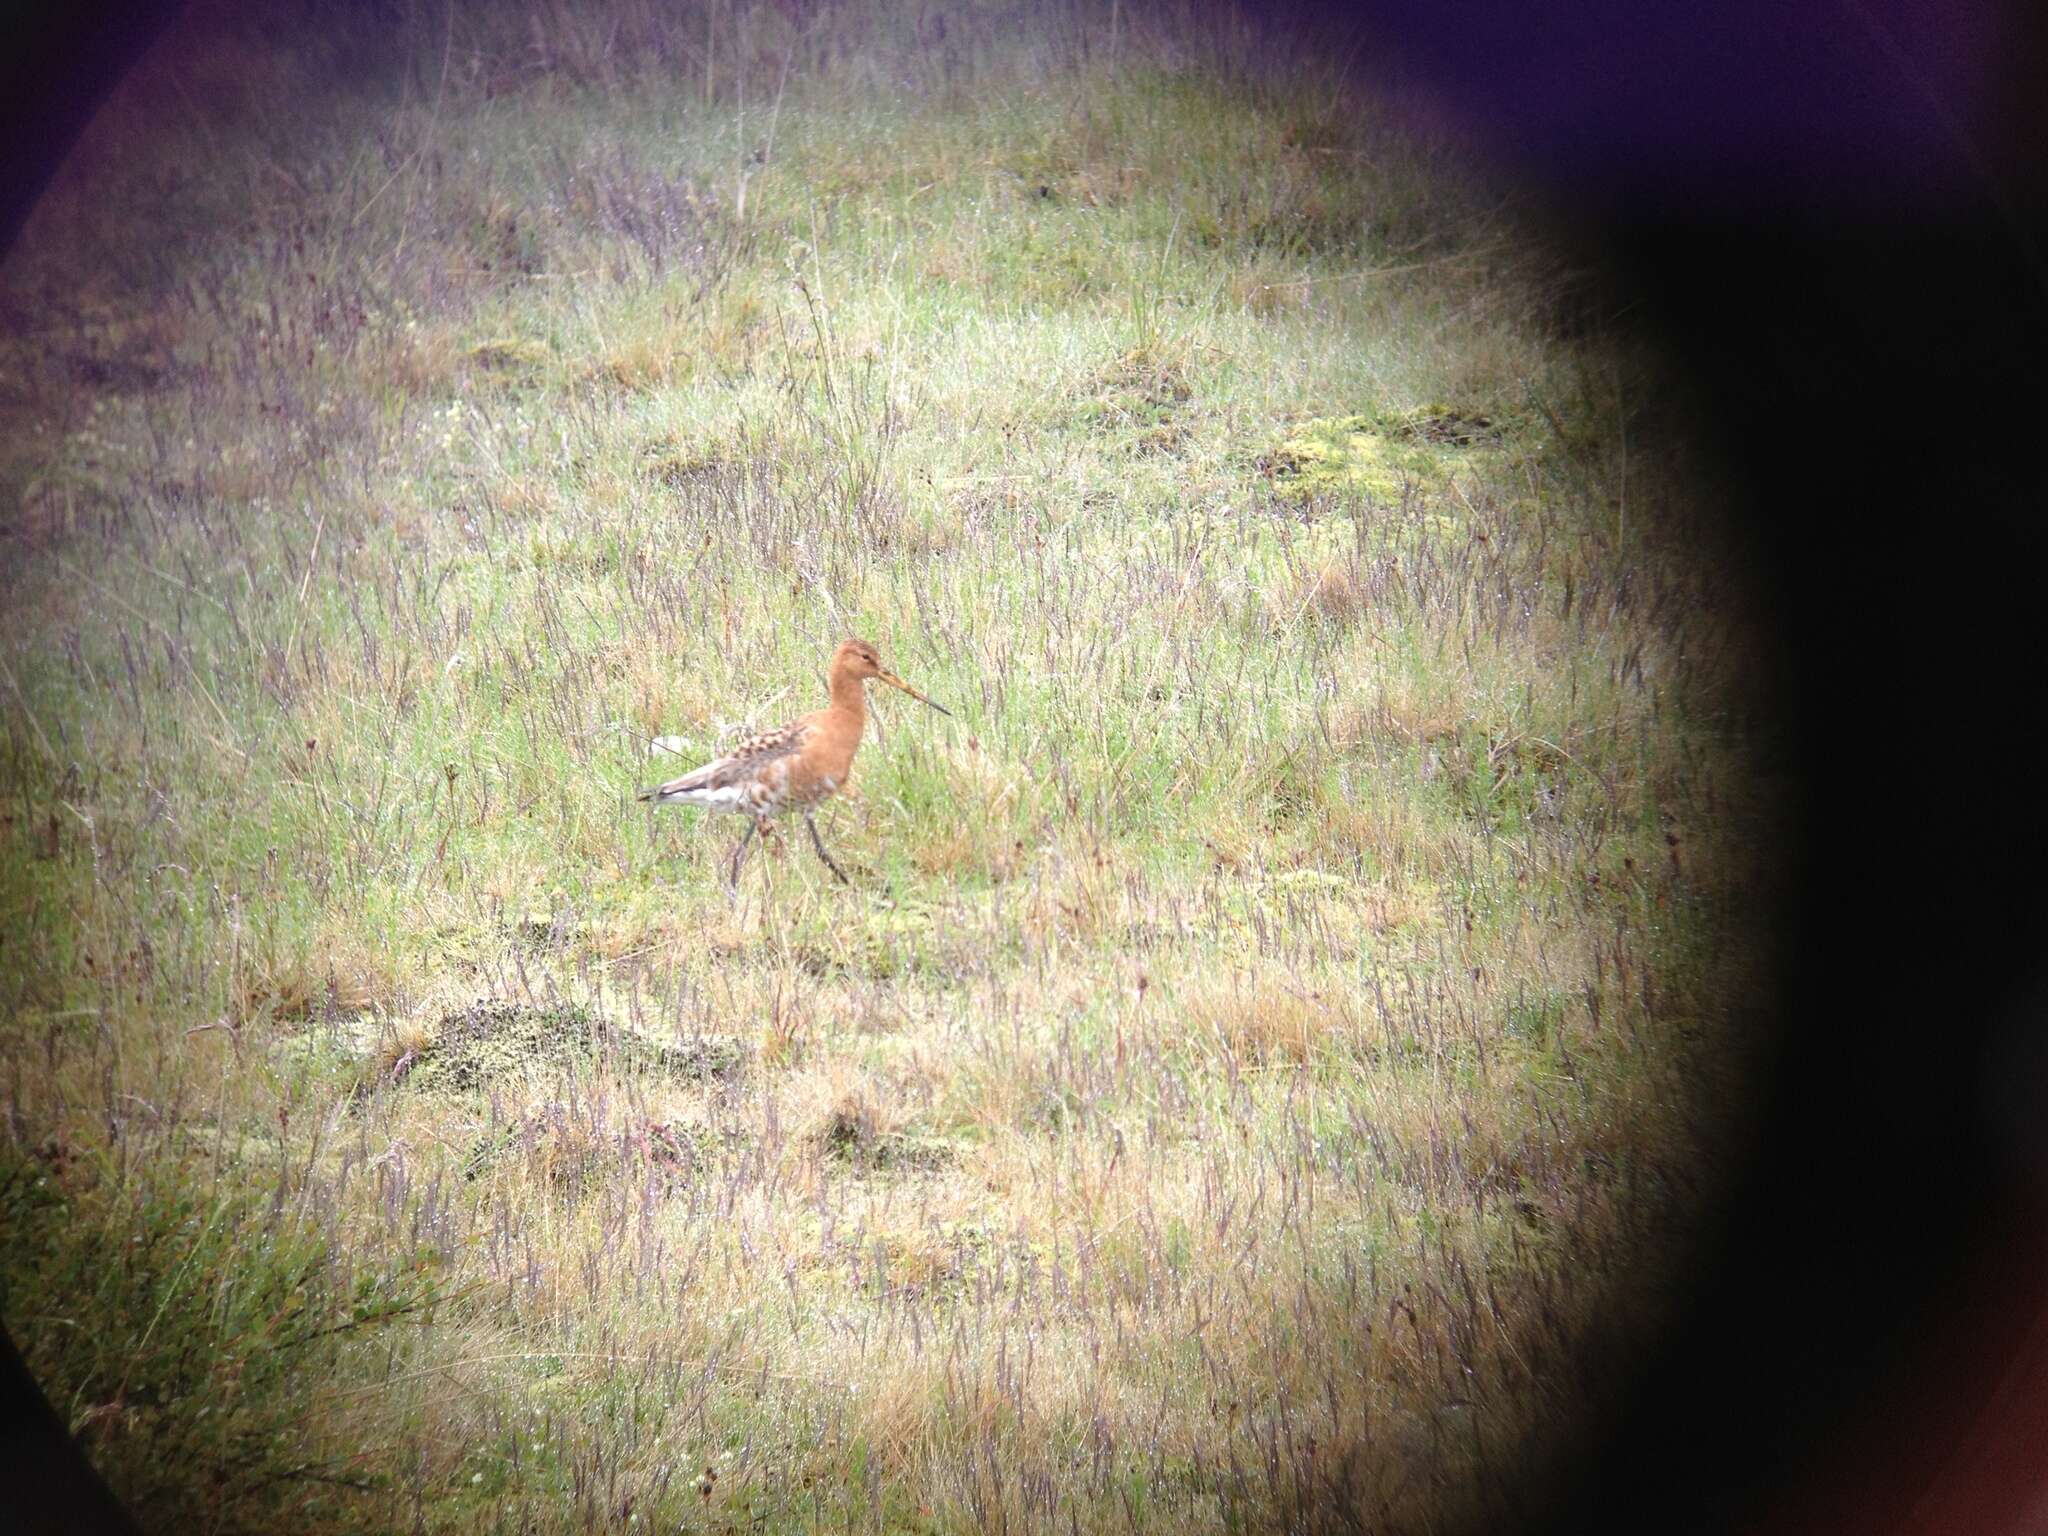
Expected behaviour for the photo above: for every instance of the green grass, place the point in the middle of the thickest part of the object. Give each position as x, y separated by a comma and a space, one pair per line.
1272, 1024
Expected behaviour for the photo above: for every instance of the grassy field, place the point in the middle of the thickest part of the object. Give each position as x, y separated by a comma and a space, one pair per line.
1279, 1019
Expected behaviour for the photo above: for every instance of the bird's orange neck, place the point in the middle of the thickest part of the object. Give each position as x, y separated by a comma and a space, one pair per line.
849, 697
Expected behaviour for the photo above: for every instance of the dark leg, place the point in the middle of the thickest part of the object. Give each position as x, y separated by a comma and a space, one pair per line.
819, 843
732, 874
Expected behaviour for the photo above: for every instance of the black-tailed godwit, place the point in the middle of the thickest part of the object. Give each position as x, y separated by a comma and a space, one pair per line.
795, 766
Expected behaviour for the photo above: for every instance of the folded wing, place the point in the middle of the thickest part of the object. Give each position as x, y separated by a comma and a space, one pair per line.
734, 781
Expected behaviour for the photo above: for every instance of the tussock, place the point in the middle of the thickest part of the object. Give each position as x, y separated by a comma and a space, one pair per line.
497, 1043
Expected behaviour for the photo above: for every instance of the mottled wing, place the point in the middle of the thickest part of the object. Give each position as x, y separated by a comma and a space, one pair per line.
742, 765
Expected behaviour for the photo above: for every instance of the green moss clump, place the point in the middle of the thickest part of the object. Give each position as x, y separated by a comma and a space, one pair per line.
1377, 455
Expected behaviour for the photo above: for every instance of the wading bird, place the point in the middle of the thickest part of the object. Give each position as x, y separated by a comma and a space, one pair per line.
795, 766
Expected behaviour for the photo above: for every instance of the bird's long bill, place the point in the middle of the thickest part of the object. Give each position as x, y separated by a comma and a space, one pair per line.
896, 682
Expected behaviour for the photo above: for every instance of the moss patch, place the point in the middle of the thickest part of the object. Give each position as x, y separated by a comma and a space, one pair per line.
887, 1151
499, 1041
1377, 455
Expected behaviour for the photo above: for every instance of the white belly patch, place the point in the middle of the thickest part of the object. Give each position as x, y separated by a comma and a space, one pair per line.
727, 797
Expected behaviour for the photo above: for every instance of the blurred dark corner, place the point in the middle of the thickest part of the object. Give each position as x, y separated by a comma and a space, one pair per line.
1832, 214
58, 65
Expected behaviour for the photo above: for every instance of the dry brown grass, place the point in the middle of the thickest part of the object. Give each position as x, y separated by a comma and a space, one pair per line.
839, 1108
342, 975
526, 496
397, 1046
1261, 1018
1327, 593
1268, 289
648, 360
791, 1018
979, 835
417, 361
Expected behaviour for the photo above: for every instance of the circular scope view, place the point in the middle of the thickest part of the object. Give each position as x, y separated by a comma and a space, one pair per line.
788, 768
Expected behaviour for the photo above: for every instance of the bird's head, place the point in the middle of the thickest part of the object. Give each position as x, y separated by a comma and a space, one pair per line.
856, 658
